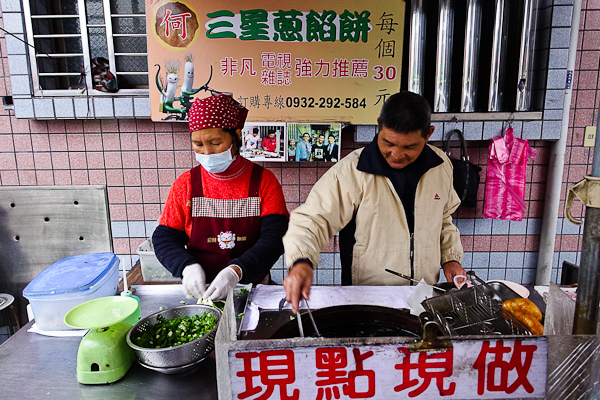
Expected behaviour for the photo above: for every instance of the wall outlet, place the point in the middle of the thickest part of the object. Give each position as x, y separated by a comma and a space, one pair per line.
589, 138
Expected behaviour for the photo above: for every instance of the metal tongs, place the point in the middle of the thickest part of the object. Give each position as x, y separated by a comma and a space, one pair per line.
299, 318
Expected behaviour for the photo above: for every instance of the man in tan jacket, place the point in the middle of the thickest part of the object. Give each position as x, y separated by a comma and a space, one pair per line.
392, 202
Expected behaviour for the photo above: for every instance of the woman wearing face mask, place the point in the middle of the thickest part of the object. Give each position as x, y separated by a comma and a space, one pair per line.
229, 212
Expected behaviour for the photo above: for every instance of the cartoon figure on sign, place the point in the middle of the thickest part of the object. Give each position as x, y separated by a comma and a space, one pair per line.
226, 240
167, 91
187, 90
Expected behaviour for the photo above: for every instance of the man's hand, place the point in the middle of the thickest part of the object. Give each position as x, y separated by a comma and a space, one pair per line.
297, 284
194, 281
451, 269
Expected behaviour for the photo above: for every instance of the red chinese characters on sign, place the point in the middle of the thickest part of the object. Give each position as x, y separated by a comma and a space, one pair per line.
430, 366
175, 22
277, 68
248, 65
470, 370
303, 67
229, 66
520, 361
276, 368
330, 362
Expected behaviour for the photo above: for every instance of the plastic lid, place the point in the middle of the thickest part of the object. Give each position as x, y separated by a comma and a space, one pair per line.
72, 275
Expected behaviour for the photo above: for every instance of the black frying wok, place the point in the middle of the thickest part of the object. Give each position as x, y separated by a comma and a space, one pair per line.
354, 321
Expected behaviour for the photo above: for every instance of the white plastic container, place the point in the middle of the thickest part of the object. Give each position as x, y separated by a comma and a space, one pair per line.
152, 269
68, 283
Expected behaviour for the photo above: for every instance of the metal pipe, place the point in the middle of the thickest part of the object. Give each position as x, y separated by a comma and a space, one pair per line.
586, 307
418, 23
443, 58
556, 165
498, 56
526, 59
588, 287
471, 57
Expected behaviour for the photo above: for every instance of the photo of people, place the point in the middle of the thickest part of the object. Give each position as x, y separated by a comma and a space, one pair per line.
313, 142
263, 141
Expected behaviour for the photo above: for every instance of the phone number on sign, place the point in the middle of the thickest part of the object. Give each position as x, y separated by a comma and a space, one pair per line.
325, 102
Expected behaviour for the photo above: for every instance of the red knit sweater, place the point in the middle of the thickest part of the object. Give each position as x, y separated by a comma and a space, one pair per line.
231, 184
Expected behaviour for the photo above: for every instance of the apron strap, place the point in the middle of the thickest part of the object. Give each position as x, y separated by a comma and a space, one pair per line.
254, 187
196, 177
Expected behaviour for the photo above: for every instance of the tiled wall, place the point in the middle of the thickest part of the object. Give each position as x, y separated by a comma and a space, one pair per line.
138, 160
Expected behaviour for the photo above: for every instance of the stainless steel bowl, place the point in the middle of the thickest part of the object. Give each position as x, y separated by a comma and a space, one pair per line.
177, 356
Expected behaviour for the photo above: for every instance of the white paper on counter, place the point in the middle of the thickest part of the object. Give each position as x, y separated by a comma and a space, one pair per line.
35, 329
251, 317
421, 292
267, 297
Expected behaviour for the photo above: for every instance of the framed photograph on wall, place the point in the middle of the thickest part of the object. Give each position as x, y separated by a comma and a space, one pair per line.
264, 141
308, 142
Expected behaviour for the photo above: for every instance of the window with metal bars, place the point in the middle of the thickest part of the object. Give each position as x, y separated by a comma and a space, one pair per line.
69, 34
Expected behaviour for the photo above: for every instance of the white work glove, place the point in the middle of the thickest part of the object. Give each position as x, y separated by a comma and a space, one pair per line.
219, 287
194, 281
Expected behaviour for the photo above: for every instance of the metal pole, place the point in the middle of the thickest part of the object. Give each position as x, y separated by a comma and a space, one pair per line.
418, 23
526, 61
556, 165
441, 100
495, 99
588, 287
470, 65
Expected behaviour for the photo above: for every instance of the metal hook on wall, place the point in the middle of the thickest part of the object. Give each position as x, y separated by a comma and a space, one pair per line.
509, 121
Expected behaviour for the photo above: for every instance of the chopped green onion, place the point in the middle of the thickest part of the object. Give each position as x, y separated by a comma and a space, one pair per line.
180, 330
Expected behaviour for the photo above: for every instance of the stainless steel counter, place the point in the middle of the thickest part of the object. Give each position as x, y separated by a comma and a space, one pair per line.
40, 367
33, 366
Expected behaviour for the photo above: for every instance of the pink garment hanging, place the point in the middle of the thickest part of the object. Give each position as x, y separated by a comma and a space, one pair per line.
506, 173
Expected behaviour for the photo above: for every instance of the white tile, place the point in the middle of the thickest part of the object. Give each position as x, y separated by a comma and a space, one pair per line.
141, 107
14, 45
84, 107
10, 5
103, 106
123, 107
20, 84
63, 108
13, 22
43, 107
23, 108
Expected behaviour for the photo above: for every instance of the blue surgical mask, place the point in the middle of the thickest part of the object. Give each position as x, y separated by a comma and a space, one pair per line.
216, 163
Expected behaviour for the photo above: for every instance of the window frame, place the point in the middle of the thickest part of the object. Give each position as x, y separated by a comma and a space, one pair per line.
85, 45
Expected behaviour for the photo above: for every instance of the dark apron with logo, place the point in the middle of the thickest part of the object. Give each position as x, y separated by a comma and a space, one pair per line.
223, 229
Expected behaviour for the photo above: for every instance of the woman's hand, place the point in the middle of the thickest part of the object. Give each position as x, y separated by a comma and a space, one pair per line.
297, 284
226, 279
194, 281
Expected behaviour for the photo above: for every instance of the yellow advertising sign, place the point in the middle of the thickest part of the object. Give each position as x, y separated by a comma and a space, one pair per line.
293, 61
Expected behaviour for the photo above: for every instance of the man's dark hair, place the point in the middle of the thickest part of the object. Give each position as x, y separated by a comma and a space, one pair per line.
406, 112
254, 130
322, 134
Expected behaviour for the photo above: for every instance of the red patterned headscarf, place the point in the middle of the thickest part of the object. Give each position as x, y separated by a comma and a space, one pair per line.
220, 111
